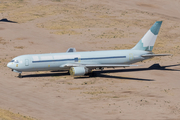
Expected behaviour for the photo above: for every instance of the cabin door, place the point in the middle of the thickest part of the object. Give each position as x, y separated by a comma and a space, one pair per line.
26, 62
131, 56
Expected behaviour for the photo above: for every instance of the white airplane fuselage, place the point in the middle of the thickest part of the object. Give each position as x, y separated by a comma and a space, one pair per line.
54, 61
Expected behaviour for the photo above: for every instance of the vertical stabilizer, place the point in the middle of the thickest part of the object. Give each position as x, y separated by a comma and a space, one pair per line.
148, 40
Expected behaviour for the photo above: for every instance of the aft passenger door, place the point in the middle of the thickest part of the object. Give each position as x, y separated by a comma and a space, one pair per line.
131, 57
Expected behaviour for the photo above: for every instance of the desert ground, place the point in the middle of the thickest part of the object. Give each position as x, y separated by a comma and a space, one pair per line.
149, 91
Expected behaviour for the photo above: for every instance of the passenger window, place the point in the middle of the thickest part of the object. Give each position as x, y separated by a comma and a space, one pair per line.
12, 61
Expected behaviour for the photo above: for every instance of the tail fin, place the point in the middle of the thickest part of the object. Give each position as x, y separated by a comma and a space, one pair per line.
148, 40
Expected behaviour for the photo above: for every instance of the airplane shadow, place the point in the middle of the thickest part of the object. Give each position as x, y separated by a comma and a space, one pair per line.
152, 67
6, 20
46, 75
100, 73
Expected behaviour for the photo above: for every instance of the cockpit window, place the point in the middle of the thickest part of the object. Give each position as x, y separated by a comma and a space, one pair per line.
16, 61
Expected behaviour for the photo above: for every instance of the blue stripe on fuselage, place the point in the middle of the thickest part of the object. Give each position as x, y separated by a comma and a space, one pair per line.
96, 58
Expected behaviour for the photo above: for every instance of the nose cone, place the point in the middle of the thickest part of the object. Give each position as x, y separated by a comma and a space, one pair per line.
9, 65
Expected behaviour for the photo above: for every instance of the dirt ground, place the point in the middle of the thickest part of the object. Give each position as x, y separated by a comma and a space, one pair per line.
150, 91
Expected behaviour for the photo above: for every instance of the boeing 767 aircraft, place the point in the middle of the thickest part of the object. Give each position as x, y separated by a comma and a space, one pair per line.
81, 63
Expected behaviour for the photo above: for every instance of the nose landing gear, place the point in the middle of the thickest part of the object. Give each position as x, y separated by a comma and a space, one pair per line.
20, 76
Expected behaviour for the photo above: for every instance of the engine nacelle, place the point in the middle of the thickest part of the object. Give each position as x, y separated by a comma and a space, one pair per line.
78, 71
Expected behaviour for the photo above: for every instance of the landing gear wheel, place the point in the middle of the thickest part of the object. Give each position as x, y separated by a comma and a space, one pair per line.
20, 76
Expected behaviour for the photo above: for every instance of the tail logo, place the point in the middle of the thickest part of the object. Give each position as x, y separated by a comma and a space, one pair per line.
148, 40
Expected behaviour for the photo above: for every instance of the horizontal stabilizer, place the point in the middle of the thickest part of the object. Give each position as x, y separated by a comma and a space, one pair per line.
155, 55
96, 65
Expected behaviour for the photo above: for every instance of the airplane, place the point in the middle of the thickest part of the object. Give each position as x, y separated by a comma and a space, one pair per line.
81, 63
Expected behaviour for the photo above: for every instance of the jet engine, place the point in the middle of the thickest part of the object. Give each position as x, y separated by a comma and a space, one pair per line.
79, 71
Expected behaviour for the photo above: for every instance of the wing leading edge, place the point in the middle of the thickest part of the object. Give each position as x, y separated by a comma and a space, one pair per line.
96, 65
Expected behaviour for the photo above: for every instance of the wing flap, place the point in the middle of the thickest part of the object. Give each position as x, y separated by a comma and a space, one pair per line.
110, 65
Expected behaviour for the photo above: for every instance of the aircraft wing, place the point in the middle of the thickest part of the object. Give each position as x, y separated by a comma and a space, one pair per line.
96, 65
155, 55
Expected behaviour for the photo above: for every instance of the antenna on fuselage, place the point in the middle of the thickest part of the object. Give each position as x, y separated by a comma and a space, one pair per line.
71, 50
